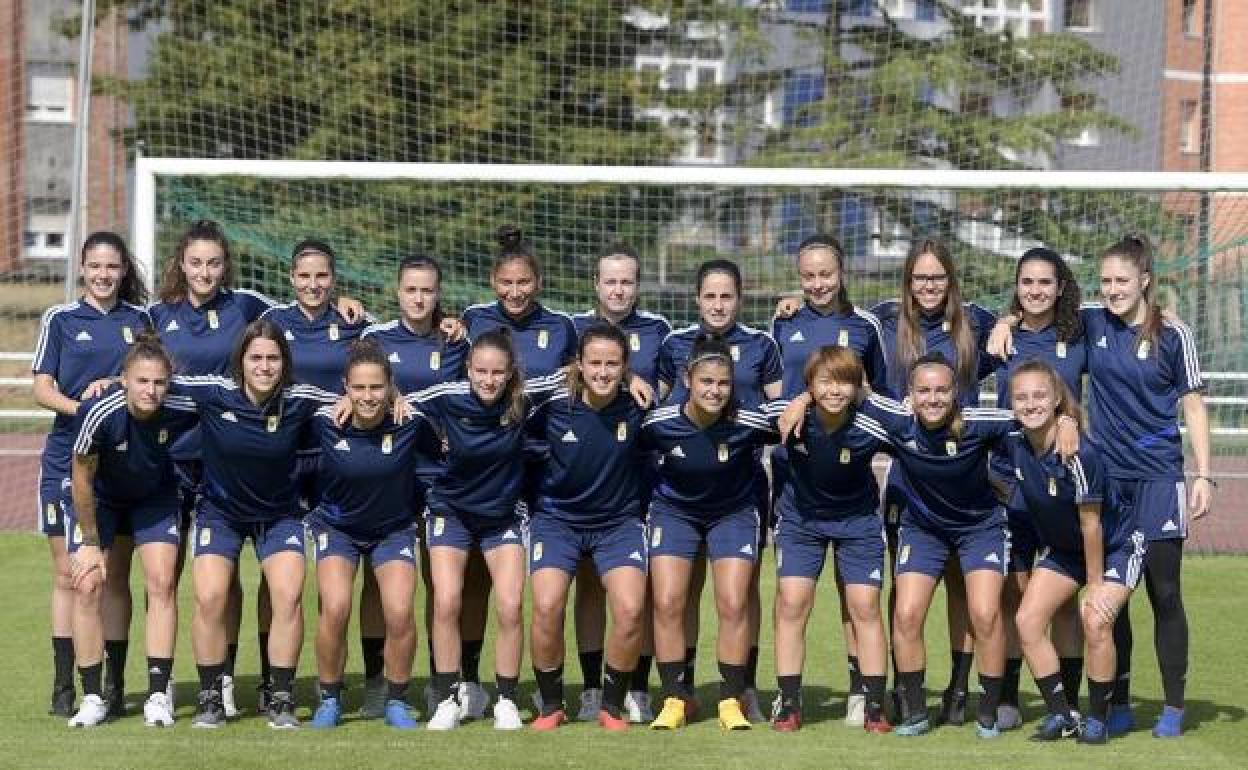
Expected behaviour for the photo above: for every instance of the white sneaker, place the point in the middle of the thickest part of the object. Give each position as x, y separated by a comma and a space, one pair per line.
374, 705
637, 704
158, 711
91, 712
591, 704
855, 711
445, 716
227, 697
473, 700
750, 706
507, 716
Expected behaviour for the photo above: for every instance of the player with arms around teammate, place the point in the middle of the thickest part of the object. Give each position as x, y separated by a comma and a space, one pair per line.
79, 350
126, 500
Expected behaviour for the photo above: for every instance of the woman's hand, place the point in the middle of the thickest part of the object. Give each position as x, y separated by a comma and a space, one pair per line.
790, 420
342, 411
1200, 497
641, 391
86, 560
787, 307
453, 329
96, 388
1001, 340
400, 409
1067, 437
350, 309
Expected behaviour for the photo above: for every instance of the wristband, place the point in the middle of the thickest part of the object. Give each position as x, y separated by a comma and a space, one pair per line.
1212, 483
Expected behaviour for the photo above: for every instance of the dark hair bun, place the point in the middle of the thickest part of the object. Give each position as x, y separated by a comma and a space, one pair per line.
510, 237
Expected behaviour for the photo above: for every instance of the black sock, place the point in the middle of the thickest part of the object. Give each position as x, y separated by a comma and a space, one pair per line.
751, 669
874, 688
989, 700
960, 670
591, 669
732, 680
641, 674
63, 662
615, 685
470, 660
396, 691
158, 673
1163, 566
443, 684
790, 688
1123, 642
1071, 670
372, 649
855, 675
266, 670
231, 655
1009, 682
283, 678
506, 686
1099, 694
1054, 694
331, 690
91, 676
115, 651
913, 690
550, 685
210, 676
672, 679
691, 665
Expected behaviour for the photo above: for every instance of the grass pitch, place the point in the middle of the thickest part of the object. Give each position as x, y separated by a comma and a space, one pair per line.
1217, 602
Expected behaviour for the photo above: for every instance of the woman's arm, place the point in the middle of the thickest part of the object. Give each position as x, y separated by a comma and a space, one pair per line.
48, 395
1093, 541
89, 556
1197, 419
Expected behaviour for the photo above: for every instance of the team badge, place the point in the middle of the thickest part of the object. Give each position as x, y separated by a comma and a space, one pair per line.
333, 332
271, 425
1141, 352
951, 448
387, 443
842, 338
904, 556
736, 353
845, 455
621, 431
892, 514
439, 526
213, 321
504, 420
163, 436
656, 537
127, 335
435, 359
543, 339
77, 535
723, 453
1052, 487
322, 541
946, 327
1061, 350
537, 551
634, 342
1018, 473
205, 537
51, 513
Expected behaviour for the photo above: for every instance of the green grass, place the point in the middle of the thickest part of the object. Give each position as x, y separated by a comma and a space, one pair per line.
1216, 599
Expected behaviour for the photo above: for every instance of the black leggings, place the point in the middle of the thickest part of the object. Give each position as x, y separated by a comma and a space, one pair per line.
1162, 569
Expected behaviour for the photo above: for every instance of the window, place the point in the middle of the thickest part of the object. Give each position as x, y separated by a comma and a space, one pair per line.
707, 143
50, 99
801, 89
1189, 126
1022, 18
678, 76
44, 236
1191, 22
925, 10
860, 7
1080, 14
706, 77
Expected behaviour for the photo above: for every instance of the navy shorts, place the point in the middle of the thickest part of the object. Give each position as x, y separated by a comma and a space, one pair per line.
802, 545
398, 545
1158, 508
149, 521
1023, 542
448, 530
555, 544
307, 470
731, 536
894, 503
1123, 562
215, 535
54, 485
925, 551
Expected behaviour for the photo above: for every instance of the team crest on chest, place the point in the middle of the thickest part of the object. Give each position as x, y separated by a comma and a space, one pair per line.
387, 444
543, 339
1141, 350
946, 327
439, 525
842, 338
845, 455
621, 431
735, 350
272, 423
951, 448
1061, 350
723, 453
435, 359
163, 436
213, 321
1052, 487
127, 335
634, 342
333, 332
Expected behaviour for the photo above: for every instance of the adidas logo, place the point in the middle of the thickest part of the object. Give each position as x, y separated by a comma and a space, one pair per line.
797, 336
293, 540
678, 452
290, 337
800, 448
342, 445
173, 326
510, 535
992, 558
1101, 343
1169, 526
173, 529
123, 446
83, 336
569, 437
406, 552
394, 358
747, 549
1112, 572
875, 574
635, 556
154, 670
229, 416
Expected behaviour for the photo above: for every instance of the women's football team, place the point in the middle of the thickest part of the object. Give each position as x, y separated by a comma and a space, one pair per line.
607, 449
